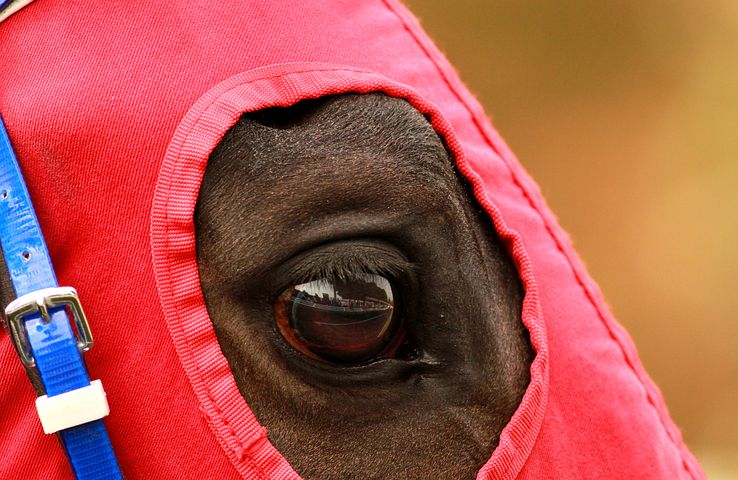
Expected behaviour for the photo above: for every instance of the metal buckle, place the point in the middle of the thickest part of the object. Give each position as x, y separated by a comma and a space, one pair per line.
40, 302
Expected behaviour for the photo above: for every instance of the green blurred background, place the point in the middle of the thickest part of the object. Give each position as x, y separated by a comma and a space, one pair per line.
626, 113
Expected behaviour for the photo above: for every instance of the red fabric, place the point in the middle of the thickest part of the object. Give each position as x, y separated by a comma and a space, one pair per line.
113, 109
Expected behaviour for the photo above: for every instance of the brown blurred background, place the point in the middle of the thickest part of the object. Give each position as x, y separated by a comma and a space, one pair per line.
626, 113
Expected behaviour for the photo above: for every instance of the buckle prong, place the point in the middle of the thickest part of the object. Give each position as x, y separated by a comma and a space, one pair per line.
43, 310
39, 302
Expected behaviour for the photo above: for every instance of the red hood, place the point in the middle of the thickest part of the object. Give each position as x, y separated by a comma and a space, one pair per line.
113, 109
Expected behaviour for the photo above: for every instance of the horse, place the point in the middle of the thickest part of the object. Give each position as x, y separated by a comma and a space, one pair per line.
305, 252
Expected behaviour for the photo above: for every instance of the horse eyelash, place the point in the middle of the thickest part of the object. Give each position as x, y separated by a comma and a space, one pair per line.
351, 265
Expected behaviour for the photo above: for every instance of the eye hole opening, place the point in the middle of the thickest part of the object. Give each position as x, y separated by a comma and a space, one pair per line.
343, 321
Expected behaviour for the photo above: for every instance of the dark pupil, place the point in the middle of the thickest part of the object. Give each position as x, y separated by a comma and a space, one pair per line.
341, 321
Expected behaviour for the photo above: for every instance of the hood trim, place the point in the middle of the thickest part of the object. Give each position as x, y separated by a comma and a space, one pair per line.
172, 237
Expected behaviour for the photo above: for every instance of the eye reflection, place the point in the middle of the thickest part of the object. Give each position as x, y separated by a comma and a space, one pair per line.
344, 321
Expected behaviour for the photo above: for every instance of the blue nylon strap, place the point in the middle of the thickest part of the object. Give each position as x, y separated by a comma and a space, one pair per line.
53, 343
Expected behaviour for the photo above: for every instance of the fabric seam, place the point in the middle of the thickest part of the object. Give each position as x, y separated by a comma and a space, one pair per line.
244, 455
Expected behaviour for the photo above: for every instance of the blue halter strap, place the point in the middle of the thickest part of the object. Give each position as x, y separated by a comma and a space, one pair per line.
39, 324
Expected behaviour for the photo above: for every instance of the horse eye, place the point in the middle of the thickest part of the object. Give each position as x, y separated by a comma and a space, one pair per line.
341, 321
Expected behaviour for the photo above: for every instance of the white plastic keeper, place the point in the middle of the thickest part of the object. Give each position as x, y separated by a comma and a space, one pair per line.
72, 408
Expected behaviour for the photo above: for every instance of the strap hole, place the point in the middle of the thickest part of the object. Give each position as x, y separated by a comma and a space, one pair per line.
4, 195
26, 255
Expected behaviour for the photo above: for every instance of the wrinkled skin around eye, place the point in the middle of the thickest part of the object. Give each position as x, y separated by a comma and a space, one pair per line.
343, 321
365, 180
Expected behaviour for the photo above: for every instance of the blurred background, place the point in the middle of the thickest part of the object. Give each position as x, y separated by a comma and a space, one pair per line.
626, 113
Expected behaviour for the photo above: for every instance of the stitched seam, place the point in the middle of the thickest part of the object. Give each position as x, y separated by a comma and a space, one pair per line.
245, 455
250, 461
588, 294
